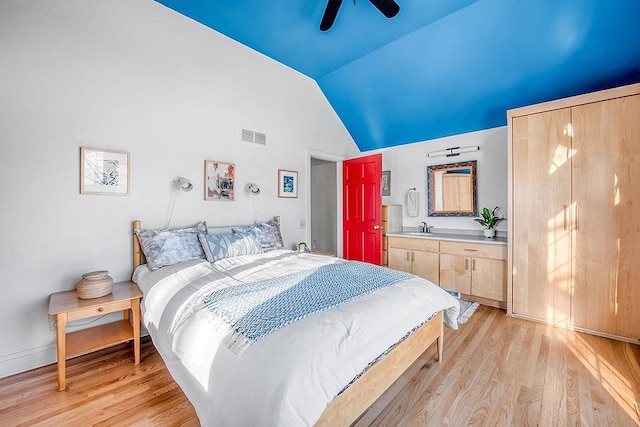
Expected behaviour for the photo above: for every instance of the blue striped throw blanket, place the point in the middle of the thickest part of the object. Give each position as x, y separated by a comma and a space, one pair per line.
254, 310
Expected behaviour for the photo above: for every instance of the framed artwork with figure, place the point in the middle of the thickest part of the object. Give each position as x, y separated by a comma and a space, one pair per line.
219, 180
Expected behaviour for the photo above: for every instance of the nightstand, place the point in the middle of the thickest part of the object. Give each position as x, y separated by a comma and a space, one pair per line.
67, 307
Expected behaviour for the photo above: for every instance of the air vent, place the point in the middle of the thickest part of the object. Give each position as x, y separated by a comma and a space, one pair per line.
261, 138
248, 135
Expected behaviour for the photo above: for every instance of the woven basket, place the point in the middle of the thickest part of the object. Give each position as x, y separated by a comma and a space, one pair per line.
95, 284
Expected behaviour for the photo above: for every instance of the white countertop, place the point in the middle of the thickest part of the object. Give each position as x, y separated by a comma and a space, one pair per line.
457, 237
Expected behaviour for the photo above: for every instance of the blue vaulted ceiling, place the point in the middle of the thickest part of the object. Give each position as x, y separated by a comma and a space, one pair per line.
440, 67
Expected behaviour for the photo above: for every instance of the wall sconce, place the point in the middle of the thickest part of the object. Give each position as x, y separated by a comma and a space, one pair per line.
253, 188
182, 183
453, 151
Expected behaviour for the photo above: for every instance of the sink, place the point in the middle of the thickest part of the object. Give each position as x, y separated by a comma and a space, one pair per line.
418, 233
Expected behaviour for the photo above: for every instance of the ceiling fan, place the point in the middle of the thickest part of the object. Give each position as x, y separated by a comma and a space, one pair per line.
388, 8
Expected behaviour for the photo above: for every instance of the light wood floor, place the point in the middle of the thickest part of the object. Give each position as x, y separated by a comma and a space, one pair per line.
496, 371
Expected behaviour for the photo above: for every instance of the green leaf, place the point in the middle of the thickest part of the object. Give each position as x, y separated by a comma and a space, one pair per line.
486, 214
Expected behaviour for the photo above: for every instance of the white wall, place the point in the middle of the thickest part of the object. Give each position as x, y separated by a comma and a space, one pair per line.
408, 166
132, 76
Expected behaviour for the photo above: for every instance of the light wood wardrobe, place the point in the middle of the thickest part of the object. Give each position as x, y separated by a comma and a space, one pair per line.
574, 212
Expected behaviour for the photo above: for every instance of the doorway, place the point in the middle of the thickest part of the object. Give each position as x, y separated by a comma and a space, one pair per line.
324, 206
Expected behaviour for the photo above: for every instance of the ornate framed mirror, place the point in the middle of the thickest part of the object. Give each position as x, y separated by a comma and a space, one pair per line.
452, 189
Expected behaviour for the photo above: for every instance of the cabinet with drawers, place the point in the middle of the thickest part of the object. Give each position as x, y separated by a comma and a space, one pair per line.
477, 270
391, 223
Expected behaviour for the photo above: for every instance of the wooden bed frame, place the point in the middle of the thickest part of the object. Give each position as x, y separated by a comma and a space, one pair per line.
347, 407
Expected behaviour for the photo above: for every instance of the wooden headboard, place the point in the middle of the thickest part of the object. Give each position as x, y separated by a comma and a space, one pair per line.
137, 250
138, 256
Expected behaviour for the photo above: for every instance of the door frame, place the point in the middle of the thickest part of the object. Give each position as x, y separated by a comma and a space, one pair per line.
337, 159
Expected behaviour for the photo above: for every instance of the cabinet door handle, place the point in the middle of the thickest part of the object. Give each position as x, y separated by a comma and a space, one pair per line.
413, 256
564, 227
577, 216
471, 250
466, 263
473, 265
408, 259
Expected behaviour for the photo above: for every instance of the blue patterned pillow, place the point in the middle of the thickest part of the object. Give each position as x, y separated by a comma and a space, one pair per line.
267, 233
171, 246
220, 246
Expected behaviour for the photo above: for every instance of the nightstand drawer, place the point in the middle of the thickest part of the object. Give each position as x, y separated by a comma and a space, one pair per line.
98, 310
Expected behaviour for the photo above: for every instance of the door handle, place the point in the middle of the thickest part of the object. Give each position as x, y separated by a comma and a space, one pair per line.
376, 227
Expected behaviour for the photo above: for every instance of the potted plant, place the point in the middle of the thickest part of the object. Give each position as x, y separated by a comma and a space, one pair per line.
489, 220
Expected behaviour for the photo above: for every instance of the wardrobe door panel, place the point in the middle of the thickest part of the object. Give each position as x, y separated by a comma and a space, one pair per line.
606, 216
541, 151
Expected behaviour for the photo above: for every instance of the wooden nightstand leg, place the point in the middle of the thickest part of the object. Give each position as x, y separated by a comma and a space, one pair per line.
61, 325
135, 309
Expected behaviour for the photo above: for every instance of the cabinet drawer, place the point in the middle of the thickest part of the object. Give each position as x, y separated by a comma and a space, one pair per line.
417, 244
98, 310
474, 250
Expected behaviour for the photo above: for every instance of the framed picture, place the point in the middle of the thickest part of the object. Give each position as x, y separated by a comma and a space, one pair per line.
104, 172
386, 183
287, 183
219, 180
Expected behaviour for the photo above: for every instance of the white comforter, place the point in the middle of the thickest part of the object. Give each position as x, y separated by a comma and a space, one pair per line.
288, 377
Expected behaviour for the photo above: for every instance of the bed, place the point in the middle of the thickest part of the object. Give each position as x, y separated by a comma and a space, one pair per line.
323, 368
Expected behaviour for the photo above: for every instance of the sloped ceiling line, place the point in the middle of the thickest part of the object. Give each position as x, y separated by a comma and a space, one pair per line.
440, 67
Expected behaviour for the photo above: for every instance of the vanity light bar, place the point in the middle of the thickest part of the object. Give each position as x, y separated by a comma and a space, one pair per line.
453, 151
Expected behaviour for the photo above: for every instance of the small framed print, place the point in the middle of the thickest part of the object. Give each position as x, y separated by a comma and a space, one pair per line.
287, 184
104, 172
386, 183
219, 180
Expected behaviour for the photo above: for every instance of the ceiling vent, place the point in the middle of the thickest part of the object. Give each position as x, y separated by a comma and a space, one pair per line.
248, 135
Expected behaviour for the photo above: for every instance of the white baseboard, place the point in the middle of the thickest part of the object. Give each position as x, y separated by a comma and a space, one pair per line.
25, 360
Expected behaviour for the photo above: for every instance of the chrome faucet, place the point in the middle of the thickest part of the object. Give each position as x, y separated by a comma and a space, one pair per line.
423, 227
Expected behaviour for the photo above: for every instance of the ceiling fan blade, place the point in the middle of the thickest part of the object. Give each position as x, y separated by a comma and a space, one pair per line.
330, 14
388, 8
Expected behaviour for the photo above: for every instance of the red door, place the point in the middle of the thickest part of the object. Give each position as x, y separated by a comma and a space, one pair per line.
362, 209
